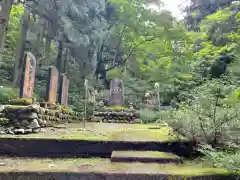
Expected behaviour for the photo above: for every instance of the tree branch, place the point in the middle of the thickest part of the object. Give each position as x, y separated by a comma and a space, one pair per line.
118, 45
134, 47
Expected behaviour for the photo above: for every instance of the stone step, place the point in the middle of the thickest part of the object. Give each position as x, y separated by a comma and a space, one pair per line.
144, 157
97, 168
23, 146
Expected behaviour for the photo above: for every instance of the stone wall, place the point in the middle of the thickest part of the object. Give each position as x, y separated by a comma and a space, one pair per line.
30, 119
58, 116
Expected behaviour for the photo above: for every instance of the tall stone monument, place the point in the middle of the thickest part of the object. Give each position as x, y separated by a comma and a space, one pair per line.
116, 99
63, 90
52, 86
28, 76
116, 96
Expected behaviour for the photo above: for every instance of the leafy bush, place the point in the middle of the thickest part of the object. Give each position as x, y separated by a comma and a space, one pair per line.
149, 116
223, 159
211, 116
165, 116
7, 93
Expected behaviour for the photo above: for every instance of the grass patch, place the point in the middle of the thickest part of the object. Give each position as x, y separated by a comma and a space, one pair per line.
144, 154
105, 132
161, 134
115, 108
105, 166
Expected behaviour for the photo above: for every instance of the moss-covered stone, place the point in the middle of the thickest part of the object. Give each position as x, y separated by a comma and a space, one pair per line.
13, 108
148, 154
109, 132
99, 165
4, 119
22, 101
115, 108
49, 105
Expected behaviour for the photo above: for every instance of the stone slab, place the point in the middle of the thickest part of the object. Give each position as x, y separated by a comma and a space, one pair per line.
63, 90
144, 156
116, 96
28, 76
103, 169
52, 86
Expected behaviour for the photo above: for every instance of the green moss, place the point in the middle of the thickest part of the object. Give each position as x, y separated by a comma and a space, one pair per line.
65, 109
57, 107
149, 154
49, 105
107, 132
115, 108
161, 135
14, 107
105, 166
22, 101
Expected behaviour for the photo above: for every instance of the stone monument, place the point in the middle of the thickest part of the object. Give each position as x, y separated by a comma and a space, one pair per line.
28, 76
63, 90
116, 96
116, 112
52, 86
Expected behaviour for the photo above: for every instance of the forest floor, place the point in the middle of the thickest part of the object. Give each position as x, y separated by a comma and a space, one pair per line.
106, 132
103, 165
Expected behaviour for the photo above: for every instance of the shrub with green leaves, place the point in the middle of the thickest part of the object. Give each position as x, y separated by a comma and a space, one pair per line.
7, 93
223, 159
165, 116
149, 116
212, 116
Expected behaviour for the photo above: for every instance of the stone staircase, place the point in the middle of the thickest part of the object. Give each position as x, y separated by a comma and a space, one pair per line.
38, 157
145, 157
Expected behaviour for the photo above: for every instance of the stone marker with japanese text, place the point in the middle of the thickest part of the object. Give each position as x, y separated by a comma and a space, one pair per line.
28, 76
52, 86
63, 90
116, 97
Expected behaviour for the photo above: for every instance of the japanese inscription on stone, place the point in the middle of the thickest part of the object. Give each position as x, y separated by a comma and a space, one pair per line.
63, 92
28, 76
116, 93
52, 85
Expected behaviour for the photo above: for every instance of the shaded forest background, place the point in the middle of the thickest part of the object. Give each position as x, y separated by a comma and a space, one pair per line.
195, 61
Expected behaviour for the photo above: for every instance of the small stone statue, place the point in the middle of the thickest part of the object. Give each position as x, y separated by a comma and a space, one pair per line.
131, 106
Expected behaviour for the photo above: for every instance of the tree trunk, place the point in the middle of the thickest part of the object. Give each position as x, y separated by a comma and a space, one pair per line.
21, 46
5, 10
2, 44
59, 57
38, 54
66, 59
46, 50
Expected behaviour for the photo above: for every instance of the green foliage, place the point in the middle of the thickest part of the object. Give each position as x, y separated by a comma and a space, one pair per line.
210, 116
165, 116
224, 159
149, 116
13, 33
7, 94
156, 49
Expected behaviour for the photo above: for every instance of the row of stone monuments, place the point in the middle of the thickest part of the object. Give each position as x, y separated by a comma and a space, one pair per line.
53, 85
116, 112
30, 117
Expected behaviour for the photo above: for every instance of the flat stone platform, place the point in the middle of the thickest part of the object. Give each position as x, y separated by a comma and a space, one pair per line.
96, 140
145, 157
104, 169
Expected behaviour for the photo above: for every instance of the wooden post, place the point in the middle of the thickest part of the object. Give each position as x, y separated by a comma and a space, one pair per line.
85, 102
